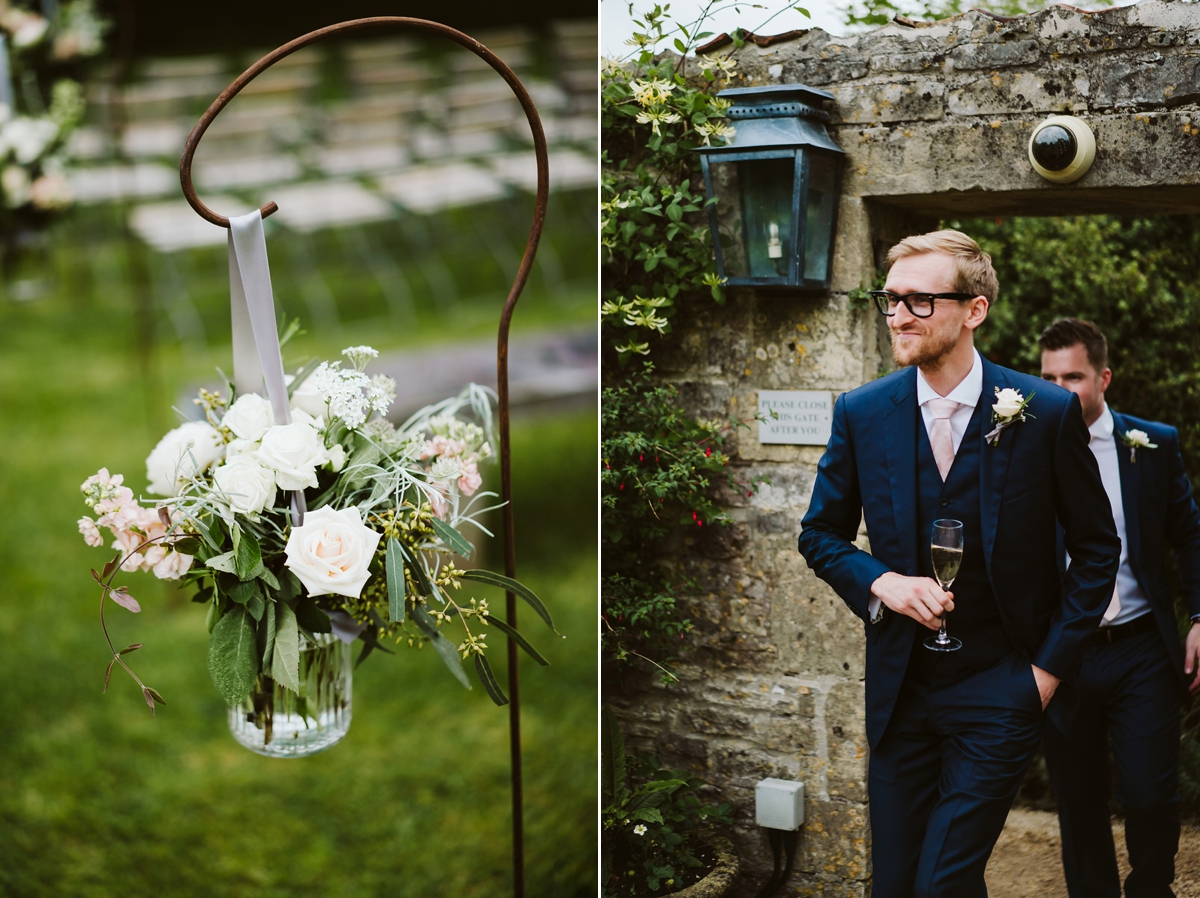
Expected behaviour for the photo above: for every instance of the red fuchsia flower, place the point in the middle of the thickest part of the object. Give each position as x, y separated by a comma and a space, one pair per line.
708, 452
699, 523
621, 487
641, 458
693, 515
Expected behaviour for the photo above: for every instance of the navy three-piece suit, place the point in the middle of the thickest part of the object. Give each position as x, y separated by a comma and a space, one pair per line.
1130, 686
951, 734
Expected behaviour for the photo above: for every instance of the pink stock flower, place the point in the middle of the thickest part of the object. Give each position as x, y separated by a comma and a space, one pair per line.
437, 499
91, 534
469, 480
173, 566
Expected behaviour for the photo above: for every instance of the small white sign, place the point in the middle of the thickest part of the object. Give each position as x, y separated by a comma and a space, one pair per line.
803, 417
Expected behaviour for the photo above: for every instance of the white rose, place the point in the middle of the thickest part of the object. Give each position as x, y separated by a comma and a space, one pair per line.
169, 465
248, 487
332, 551
249, 417
1138, 438
337, 457
308, 398
293, 452
234, 448
1008, 403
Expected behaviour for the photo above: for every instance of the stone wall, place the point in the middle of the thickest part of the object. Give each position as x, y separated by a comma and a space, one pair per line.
934, 119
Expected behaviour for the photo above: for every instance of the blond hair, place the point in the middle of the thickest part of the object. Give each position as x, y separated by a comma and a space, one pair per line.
973, 272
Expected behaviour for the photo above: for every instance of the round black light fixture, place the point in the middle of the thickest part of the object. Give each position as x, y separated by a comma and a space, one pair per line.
1054, 147
1062, 148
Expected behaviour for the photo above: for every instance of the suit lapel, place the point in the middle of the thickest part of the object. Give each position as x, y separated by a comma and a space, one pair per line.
993, 460
1130, 483
900, 430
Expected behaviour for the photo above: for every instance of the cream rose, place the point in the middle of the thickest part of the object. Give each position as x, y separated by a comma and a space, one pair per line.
308, 398
293, 452
1139, 438
332, 551
247, 486
170, 464
249, 417
1008, 403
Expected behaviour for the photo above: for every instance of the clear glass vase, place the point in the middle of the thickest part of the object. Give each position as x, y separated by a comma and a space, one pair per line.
279, 723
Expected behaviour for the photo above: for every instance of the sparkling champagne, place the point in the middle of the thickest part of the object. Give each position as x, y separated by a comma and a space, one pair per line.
945, 564
946, 551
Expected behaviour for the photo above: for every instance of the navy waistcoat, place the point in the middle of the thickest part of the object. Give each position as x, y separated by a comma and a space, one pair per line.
976, 617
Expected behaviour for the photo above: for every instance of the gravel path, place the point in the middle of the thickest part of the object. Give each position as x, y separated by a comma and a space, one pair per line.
1027, 862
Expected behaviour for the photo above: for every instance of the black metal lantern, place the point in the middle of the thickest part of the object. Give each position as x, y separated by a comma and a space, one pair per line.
776, 186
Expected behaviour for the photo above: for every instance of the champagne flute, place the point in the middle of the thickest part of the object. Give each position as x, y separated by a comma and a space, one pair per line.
946, 549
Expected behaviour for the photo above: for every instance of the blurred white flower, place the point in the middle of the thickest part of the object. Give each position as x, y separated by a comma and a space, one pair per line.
52, 191
26, 138
15, 182
185, 451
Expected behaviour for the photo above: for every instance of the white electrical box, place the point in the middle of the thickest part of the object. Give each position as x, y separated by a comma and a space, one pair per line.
779, 804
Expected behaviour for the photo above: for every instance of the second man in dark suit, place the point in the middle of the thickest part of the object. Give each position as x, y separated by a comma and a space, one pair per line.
1135, 672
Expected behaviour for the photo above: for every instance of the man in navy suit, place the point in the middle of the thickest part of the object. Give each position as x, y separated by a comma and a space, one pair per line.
952, 733
1135, 672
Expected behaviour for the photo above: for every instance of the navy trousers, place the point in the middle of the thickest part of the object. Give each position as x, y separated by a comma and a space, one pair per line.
943, 778
1128, 693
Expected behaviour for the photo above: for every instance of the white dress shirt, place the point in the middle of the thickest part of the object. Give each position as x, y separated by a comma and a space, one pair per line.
1104, 446
966, 394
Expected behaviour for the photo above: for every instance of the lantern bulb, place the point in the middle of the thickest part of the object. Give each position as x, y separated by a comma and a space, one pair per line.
774, 247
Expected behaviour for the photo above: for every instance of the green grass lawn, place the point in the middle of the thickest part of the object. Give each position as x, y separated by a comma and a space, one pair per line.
97, 798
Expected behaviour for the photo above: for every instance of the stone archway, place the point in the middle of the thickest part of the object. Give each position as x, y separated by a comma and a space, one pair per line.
934, 119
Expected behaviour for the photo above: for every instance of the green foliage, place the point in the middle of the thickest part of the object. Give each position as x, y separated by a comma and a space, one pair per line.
653, 228
880, 12
659, 468
651, 820
658, 464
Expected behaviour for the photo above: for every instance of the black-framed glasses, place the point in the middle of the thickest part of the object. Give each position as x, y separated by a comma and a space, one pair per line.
920, 304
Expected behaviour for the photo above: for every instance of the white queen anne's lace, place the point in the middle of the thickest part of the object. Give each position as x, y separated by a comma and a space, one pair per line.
352, 394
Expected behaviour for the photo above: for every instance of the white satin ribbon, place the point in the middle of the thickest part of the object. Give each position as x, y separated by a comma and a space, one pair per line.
256, 354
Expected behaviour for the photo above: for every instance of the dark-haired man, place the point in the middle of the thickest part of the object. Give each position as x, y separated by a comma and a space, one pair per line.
953, 436
1134, 672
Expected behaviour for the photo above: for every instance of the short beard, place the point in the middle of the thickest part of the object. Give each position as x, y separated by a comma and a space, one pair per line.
931, 350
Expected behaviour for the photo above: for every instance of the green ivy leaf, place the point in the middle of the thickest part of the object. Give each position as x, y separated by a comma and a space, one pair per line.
285, 660
513, 586
426, 624
488, 679
395, 580
458, 543
517, 638
233, 656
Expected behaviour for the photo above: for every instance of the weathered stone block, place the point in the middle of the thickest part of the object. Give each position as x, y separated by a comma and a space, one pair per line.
899, 100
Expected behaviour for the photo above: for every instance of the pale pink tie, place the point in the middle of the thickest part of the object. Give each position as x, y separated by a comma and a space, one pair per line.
941, 438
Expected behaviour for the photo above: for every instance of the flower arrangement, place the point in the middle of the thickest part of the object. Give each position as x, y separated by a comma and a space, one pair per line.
33, 143
374, 561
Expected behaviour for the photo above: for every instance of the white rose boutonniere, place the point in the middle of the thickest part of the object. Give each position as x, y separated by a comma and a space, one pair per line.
1135, 440
332, 551
1009, 409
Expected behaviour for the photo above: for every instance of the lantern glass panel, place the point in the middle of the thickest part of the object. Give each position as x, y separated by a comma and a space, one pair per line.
818, 232
767, 213
751, 197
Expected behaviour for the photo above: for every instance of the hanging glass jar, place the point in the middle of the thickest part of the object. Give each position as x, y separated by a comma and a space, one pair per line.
279, 723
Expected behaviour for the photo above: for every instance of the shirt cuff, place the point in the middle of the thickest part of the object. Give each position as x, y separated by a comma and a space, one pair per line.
875, 608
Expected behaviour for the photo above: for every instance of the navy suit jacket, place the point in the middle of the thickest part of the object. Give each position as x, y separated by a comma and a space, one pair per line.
1156, 497
1040, 471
